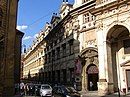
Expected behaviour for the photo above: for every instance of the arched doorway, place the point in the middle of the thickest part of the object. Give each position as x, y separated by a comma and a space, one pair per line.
89, 60
118, 49
92, 72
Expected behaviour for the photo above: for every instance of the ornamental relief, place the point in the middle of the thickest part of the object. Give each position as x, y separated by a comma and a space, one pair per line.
90, 43
112, 15
90, 56
2, 2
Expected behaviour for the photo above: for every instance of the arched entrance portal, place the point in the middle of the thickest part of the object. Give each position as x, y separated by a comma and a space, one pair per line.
92, 72
89, 68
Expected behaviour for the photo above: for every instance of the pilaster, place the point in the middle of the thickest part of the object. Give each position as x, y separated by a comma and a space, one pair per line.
102, 84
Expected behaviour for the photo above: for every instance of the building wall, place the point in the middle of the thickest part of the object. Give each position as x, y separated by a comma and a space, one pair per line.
17, 67
33, 60
8, 35
99, 29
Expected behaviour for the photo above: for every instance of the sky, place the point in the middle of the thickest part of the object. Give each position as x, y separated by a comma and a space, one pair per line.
33, 15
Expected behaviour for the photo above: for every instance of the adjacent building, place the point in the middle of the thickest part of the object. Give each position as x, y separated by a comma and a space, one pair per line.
33, 60
10, 48
88, 43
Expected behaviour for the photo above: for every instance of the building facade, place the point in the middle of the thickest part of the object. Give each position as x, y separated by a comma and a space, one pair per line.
10, 39
95, 35
33, 60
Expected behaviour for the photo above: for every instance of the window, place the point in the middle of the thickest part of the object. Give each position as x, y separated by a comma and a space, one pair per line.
0, 22
126, 44
49, 57
58, 52
71, 47
46, 58
53, 55
61, 38
47, 48
88, 17
1, 15
64, 50
55, 43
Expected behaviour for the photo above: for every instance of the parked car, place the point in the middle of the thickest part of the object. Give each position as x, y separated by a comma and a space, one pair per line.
62, 91
45, 90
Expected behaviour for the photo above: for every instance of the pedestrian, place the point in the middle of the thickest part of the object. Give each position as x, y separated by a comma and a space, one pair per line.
26, 89
91, 85
22, 88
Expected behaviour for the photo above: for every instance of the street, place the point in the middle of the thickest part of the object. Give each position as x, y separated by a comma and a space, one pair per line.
93, 96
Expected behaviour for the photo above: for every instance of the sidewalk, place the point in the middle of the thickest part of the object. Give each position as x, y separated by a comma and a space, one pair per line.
112, 95
95, 94
18, 95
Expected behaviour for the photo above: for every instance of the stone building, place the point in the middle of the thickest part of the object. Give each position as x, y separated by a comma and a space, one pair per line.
10, 39
33, 60
105, 43
95, 35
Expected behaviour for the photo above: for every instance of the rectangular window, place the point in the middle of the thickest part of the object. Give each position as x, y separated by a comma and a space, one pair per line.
49, 57
86, 18
47, 48
45, 58
53, 55
0, 23
58, 52
126, 44
64, 50
71, 47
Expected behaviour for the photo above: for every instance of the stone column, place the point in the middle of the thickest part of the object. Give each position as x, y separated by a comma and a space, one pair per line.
108, 65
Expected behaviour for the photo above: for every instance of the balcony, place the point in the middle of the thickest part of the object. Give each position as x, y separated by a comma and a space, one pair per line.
101, 3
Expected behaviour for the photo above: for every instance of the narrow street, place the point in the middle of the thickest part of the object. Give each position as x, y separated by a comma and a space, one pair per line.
114, 95
89, 96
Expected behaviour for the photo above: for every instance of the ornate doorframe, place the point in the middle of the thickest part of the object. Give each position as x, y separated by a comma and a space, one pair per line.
89, 56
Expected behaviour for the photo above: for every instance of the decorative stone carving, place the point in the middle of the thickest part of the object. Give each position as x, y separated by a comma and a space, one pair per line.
91, 42
100, 25
89, 55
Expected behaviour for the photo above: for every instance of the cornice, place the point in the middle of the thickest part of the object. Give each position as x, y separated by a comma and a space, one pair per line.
109, 6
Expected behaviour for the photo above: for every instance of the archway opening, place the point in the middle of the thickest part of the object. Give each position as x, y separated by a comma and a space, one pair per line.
92, 72
118, 46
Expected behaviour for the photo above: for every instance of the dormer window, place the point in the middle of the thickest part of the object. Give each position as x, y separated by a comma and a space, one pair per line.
88, 17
